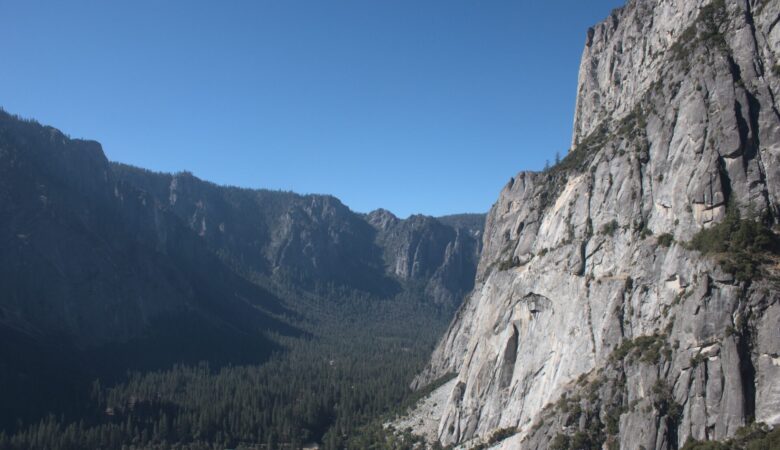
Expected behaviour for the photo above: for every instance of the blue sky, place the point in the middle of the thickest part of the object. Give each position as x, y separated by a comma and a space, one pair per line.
412, 105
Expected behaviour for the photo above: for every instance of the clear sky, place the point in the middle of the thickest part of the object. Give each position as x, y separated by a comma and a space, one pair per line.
416, 106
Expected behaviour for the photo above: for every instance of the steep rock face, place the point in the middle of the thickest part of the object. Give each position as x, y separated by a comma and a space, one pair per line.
431, 251
311, 241
623, 56
90, 260
676, 119
97, 279
106, 268
309, 238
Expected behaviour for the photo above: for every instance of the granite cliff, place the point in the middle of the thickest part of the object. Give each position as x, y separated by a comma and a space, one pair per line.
600, 315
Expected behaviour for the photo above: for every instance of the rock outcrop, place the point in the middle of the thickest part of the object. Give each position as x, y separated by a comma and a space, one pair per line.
592, 322
314, 242
431, 251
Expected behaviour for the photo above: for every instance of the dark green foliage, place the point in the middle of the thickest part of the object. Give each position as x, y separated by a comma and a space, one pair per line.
741, 244
501, 434
645, 232
634, 124
497, 436
708, 445
509, 263
580, 156
622, 350
580, 440
665, 239
647, 349
706, 29
581, 418
733, 234
697, 359
328, 388
664, 402
751, 437
560, 442
589, 417
375, 436
613, 443
613, 421
609, 228
711, 17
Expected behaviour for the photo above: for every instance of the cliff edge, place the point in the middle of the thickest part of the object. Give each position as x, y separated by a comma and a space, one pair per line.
629, 295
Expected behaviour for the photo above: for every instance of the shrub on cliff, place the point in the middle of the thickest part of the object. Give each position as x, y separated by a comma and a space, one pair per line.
742, 244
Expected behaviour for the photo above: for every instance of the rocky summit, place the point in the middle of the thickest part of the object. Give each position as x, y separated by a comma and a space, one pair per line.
628, 297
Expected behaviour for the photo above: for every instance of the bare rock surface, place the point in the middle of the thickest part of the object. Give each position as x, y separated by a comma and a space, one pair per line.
424, 417
676, 120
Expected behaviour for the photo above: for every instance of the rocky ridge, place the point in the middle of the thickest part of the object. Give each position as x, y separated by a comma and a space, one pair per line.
107, 268
113, 264
314, 242
592, 322
121, 247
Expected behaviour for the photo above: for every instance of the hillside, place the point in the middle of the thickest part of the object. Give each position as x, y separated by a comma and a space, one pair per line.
115, 278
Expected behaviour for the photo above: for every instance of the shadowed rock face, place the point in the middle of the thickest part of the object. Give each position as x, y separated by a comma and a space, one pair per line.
90, 260
314, 240
303, 240
438, 253
106, 268
676, 118
95, 253
96, 279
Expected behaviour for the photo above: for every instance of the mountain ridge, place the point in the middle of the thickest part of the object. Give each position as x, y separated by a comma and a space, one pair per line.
108, 268
277, 214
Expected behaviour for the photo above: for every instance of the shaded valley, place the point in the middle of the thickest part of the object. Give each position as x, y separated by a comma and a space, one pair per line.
131, 298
